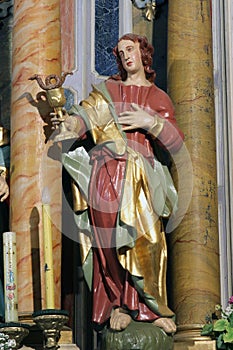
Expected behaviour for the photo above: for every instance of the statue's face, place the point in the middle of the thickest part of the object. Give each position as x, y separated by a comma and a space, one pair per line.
130, 55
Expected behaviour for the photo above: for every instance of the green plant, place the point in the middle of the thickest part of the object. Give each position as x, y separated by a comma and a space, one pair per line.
220, 326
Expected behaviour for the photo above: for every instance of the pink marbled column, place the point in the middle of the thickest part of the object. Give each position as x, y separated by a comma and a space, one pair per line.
36, 50
67, 34
194, 245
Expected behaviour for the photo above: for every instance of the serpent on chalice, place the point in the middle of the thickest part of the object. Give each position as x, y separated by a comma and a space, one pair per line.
49, 83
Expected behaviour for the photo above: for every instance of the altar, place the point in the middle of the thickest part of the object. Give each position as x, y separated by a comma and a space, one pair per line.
66, 36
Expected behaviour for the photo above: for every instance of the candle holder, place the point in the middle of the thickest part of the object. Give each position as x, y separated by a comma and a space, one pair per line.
51, 321
56, 99
16, 332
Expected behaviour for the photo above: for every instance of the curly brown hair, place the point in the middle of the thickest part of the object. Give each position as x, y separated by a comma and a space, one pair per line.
147, 52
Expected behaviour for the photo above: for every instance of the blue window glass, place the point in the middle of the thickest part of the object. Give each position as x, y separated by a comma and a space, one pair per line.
106, 35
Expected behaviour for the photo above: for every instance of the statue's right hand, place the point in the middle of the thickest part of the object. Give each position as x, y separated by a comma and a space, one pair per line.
69, 122
57, 117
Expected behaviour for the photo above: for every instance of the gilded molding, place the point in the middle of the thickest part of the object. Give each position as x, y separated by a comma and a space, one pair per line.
148, 8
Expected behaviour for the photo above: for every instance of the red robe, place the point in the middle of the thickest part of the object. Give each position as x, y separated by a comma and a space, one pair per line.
112, 284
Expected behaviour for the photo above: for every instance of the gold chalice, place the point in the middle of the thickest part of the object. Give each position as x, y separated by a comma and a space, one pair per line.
56, 99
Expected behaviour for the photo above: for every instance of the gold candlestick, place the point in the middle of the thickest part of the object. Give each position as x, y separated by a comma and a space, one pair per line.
15, 332
51, 322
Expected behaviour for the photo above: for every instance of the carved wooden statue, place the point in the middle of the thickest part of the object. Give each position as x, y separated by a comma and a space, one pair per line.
122, 192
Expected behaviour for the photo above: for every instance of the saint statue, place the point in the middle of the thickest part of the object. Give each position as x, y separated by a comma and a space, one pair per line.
122, 192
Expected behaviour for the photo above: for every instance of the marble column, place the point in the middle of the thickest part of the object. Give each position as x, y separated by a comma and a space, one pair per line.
193, 246
34, 160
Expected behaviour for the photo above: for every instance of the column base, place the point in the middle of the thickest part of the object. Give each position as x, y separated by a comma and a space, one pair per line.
196, 345
188, 337
35, 339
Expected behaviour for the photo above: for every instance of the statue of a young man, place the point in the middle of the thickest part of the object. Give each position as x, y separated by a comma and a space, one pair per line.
124, 191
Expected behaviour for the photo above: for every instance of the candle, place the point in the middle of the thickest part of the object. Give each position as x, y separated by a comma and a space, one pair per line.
48, 251
10, 277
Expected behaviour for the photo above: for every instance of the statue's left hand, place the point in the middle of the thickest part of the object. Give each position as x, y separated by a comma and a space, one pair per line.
69, 121
4, 189
136, 118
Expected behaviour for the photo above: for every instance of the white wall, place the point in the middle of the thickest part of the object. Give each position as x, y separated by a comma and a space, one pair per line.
223, 79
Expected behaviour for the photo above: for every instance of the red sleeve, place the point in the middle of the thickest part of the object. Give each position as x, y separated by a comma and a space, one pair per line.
171, 137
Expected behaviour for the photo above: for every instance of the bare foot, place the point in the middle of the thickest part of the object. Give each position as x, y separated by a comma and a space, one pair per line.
167, 324
119, 319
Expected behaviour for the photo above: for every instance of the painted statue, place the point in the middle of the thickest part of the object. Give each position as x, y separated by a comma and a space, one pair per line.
121, 190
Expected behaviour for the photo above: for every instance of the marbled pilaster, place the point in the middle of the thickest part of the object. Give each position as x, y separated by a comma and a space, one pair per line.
36, 50
194, 252
67, 9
